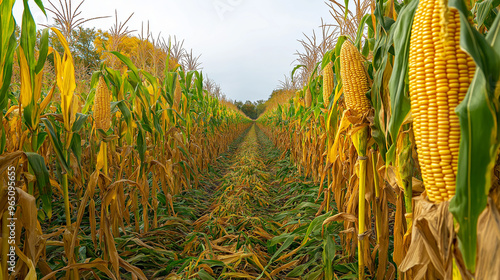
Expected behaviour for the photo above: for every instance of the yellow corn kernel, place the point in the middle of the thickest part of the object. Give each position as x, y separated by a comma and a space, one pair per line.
440, 74
102, 106
327, 83
308, 98
354, 80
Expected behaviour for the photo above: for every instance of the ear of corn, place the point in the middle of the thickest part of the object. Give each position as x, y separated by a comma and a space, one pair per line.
308, 98
102, 106
328, 83
177, 94
354, 80
440, 74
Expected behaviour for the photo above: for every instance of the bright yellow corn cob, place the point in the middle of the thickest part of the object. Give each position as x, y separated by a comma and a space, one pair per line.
327, 83
102, 106
354, 80
308, 98
440, 74
177, 94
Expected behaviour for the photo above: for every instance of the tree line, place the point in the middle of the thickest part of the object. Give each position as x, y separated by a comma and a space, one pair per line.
252, 109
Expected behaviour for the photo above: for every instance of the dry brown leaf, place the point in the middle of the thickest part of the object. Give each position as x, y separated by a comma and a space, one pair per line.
430, 252
399, 230
98, 264
488, 241
136, 272
340, 217
28, 219
381, 210
284, 267
7, 159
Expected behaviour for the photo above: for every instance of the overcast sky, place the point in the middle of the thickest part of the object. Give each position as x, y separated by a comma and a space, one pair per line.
247, 46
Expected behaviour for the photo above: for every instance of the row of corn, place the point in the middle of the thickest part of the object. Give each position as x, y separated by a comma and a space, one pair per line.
385, 146
95, 165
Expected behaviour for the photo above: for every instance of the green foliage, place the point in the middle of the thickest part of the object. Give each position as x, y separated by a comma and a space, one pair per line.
398, 84
478, 114
251, 109
82, 48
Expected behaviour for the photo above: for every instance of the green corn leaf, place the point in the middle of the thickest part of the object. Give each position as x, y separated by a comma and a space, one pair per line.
314, 275
127, 115
346, 3
189, 78
28, 37
37, 163
40, 139
89, 102
285, 246
79, 122
379, 12
55, 140
485, 13
76, 147
3, 142
39, 3
398, 87
130, 65
204, 275
199, 85
361, 28
141, 142
151, 79
8, 45
381, 56
299, 270
44, 50
478, 114
297, 68
328, 254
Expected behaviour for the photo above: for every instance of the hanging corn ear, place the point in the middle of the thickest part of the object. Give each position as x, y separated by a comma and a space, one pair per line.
328, 83
354, 80
177, 94
102, 106
308, 98
355, 86
440, 74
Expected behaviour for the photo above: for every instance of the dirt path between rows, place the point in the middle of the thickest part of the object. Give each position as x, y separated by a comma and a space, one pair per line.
253, 217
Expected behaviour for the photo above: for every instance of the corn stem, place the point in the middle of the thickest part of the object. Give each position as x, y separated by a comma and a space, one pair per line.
406, 172
362, 210
105, 152
66, 194
378, 217
360, 140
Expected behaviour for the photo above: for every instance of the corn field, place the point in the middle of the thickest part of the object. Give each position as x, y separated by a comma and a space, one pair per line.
379, 160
